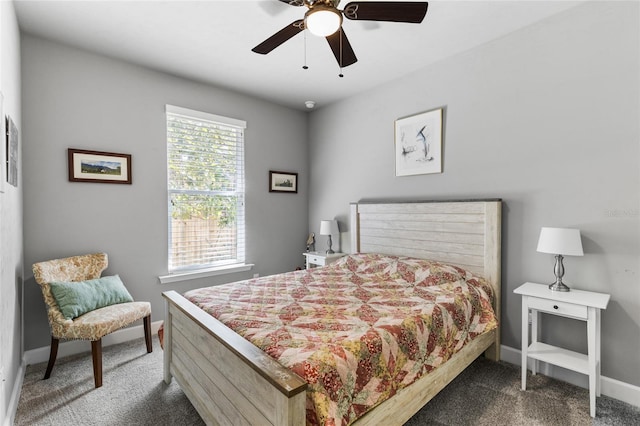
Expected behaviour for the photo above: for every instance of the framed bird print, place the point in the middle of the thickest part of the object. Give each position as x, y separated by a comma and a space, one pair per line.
418, 143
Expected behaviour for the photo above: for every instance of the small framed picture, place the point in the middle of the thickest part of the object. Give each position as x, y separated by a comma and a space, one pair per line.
419, 144
100, 167
283, 182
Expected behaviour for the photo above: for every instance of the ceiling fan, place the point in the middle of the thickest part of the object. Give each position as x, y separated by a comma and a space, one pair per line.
324, 19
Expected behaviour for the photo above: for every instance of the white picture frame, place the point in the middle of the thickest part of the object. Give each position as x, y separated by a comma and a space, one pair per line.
418, 143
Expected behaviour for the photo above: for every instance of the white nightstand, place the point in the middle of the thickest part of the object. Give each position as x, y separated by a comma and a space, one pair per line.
576, 304
321, 259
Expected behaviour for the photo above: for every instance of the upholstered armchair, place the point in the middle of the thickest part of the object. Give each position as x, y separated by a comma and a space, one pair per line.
73, 273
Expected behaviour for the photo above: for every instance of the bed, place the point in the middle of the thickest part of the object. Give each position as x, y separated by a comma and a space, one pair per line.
231, 381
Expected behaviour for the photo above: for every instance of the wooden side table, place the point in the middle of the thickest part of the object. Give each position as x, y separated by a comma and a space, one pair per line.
314, 258
576, 304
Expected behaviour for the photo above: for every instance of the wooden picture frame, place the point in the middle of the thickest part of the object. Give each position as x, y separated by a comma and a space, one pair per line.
283, 182
418, 143
98, 166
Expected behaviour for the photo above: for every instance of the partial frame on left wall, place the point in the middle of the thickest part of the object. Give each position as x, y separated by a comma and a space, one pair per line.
3, 158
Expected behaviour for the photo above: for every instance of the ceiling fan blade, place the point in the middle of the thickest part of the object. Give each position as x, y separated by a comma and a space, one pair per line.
341, 48
280, 37
293, 2
402, 11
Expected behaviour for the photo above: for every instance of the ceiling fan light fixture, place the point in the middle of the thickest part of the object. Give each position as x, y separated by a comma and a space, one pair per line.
323, 20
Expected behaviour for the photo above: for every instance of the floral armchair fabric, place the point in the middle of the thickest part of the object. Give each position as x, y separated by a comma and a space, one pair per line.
92, 325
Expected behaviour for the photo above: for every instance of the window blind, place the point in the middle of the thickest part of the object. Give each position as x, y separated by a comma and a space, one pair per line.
205, 168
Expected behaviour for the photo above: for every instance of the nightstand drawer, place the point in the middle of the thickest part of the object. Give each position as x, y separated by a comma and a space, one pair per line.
321, 259
315, 259
558, 308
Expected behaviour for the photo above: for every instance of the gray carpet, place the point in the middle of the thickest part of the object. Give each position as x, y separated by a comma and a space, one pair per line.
488, 393
133, 393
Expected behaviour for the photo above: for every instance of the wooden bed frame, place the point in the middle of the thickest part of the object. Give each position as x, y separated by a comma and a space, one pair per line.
230, 381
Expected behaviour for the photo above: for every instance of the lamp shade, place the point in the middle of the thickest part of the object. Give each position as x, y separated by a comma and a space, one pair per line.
564, 241
328, 227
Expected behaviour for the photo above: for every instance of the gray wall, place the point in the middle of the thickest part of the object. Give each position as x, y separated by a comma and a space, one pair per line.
545, 118
11, 270
73, 98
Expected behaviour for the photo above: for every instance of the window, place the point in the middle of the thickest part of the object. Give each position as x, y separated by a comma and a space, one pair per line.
205, 165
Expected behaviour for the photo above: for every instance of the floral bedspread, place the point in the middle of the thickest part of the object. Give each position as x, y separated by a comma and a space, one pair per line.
359, 329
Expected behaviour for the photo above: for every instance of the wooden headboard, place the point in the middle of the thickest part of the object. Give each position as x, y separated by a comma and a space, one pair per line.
464, 233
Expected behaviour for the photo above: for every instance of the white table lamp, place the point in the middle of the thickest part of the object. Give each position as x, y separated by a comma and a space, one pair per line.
561, 242
329, 227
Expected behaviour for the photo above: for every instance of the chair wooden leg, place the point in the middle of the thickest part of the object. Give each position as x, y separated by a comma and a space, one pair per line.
52, 357
96, 353
147, 333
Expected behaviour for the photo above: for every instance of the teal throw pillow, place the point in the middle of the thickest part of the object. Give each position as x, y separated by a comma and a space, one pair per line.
77, 298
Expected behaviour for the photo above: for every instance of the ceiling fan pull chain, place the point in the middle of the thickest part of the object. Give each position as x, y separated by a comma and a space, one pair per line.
305, 67
341, 75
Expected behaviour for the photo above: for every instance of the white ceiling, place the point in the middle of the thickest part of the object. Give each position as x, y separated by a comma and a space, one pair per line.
211, 41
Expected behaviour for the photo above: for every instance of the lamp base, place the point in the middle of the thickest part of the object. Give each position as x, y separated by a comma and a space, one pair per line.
558, 286
329, 251
558, 270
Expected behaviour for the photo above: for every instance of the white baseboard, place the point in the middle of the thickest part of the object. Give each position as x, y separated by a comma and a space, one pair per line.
72, 347
612, 388
15, 397
620, 390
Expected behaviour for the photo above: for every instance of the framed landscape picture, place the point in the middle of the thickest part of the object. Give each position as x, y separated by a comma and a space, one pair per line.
418, 141
97, 166
283, 182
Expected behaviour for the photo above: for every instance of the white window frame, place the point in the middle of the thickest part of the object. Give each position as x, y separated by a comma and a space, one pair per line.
199, 271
